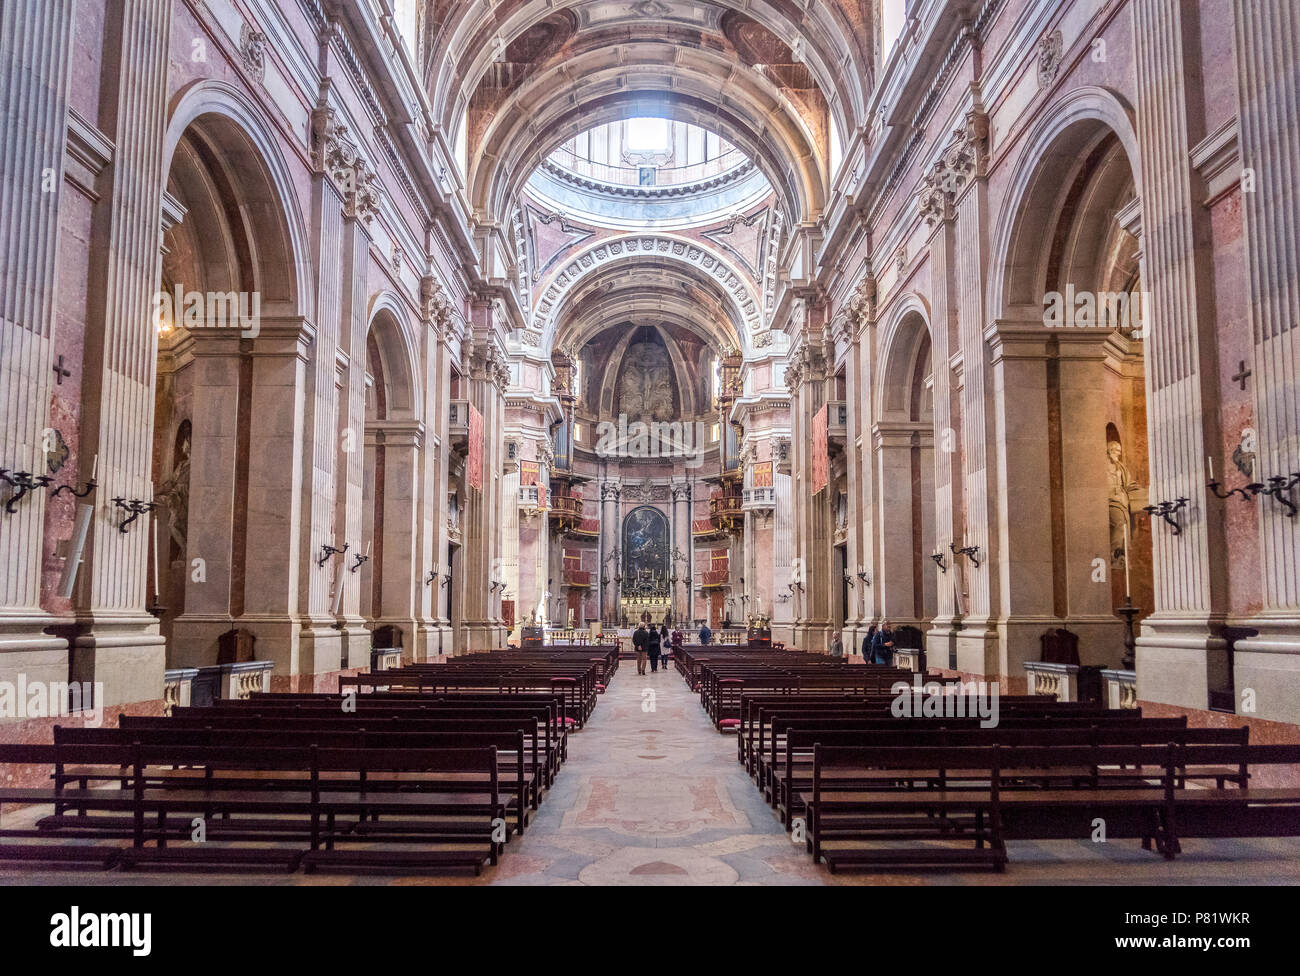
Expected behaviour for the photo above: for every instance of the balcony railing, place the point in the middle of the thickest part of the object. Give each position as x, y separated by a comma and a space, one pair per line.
727, 511
837, 420
577, 577
565, 511
759, 498
458, 423
704, 527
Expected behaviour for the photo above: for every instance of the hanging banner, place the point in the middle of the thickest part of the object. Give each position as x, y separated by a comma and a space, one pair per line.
718, 559
528, 473
821, 452
474, 467
761, 475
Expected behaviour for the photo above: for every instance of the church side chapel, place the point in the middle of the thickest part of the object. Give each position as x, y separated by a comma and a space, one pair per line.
649, 442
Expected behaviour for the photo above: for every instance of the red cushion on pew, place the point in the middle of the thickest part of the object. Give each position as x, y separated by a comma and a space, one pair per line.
570, 721
729, 723
599, 687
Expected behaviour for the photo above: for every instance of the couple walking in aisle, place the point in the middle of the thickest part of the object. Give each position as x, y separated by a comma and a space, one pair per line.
649, 642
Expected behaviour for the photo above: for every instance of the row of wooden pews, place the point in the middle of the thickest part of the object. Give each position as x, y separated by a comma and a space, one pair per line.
411, 775
866, 784
578, 675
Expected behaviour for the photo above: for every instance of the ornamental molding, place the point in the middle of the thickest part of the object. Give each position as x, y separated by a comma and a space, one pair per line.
688, 252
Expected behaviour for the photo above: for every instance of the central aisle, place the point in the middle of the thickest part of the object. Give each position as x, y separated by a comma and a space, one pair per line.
652, 794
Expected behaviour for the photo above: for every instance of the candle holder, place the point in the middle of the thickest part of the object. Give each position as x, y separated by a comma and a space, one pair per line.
446, 578
327, 551
1279, 486
1168, 510
361, 559
136, 507
848, 579
938, 561
968, 551
22, 483
1245, 494
433, 575
72, 489
864, 576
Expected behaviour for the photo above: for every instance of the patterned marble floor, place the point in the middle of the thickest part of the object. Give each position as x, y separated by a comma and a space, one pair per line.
652, 795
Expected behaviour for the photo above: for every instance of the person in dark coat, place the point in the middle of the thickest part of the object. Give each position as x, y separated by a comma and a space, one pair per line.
706, 635
867, 650
665, 645
652, 646
639, 639
882, 645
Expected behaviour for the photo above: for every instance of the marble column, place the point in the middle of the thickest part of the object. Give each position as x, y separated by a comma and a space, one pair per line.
894, 585
1267, 48
119, 643
482, 516
509, 574
319, 645
978, 646
210, 537
682, 542
1178, 322
949, 514
782, 558
812, 513
395, 554
35, 58
274, 518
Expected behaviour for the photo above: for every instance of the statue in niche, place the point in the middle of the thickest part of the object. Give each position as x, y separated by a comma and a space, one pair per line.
645, 390
1126, 496
176, 491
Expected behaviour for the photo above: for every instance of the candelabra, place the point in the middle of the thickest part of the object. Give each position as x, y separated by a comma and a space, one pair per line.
1168, 510
136, 506
325, 552
21, 483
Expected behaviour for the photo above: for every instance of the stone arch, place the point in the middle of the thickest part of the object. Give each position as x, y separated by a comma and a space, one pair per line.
906, 339
1077, 120
229, 115
746, 304
390, 327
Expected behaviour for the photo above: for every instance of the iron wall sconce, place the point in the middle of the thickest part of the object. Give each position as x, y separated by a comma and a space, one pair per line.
433, 575
864, 576
446, 578
360, 559
22, 483
136, 506
1279, 486
938, 561
72, 489
327, 551
1245, 493
1167, 511
968, 551
849, 580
